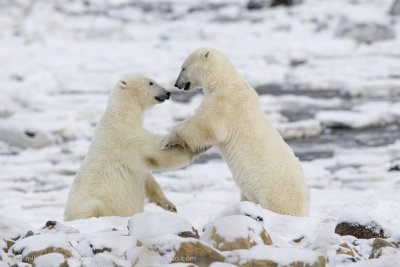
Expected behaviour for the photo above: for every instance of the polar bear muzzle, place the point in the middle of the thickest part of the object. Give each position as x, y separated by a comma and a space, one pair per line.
163, 96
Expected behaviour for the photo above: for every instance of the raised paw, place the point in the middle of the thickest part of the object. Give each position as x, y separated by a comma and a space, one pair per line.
167, 206
172, 140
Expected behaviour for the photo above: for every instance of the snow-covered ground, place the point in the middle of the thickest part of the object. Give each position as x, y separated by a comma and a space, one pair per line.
328, 75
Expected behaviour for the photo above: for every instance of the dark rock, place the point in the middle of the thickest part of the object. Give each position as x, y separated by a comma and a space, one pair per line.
54, 226
255, 4
97, 250
283, 3
368, 231
395, 9
394, 167
50, 224
193, 234
259, 4
30, 133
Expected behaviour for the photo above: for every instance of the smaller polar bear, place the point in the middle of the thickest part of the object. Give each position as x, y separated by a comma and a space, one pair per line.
116, 174
231, 117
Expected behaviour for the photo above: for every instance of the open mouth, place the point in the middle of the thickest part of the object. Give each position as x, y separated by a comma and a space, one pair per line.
187, 85
162, 98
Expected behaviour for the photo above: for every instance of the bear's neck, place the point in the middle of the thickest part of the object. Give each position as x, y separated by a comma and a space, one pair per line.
218, 80
124, 113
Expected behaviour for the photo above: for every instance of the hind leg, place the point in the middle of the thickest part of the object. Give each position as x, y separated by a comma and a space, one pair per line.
156, 195
84, 210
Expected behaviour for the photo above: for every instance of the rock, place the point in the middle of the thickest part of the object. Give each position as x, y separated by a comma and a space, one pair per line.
107, 259
36, 245
192, 234
111, 241
395, 9
259, 4
197, 253
366, 32
235, 232
29, 258
345, 249
50, 260
367, 231
378, 246
269, 256
54, 227
152, 224
246, 208
9, 244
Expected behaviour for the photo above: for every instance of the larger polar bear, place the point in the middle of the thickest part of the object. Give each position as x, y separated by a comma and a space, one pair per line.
116, 174
230, 117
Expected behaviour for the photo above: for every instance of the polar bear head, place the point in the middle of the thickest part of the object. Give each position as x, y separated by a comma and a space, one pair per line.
142, 90
200, 67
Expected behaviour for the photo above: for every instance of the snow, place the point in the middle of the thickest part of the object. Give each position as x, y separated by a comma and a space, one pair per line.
50, 260
233, 227
331, 96
263, 252
153, 224
40, 242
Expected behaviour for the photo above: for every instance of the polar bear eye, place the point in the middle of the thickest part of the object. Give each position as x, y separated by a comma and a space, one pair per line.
151, 83
183, 69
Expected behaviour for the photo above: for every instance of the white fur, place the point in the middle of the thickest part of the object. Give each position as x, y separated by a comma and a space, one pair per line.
230, 117
116, 175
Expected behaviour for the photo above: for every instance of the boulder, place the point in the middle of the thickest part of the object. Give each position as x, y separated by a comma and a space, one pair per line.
36, 245
259, 4
235, 232
344, 248
55, 227
50, 260
198, 253
113, 242
361, 231
269, 256
152, 224
379, 245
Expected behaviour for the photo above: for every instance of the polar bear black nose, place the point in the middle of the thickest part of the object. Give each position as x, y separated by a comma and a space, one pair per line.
168, 93
176, 85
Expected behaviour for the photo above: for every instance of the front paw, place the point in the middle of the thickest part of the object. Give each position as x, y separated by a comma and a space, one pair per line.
167, 206
172, 140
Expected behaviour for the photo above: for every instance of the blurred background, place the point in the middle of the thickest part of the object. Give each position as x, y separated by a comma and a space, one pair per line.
327, 72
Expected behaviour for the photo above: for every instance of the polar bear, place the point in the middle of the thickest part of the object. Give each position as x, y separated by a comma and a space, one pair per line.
230, 117
116, 174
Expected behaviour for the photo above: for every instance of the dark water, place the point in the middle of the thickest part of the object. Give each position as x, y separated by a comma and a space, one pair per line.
321, 146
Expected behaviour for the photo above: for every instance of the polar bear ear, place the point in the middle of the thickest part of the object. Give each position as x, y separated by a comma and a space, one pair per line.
122, 84
204, 55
